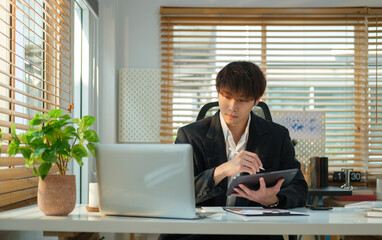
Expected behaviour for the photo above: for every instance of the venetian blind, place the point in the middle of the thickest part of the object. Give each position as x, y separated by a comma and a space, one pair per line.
35, 59
314, 60
374, 90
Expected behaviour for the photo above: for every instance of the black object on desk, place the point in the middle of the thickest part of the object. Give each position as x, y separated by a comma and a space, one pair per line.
325, 191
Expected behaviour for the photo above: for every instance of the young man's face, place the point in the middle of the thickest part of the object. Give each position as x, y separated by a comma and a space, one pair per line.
235, 111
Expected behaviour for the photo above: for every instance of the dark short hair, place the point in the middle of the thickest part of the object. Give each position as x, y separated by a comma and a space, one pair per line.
242, 80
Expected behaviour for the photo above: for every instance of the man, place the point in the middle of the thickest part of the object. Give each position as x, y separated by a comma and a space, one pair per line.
236, 141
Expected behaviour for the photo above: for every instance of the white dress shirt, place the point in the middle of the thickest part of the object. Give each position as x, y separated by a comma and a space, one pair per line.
232, 148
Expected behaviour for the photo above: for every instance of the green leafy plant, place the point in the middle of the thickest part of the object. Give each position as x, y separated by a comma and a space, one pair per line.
53, 139
294, 142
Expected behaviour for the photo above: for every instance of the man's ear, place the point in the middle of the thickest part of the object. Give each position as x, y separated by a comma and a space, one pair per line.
257, 102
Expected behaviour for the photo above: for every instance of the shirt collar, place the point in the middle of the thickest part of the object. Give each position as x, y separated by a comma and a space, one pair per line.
226, 130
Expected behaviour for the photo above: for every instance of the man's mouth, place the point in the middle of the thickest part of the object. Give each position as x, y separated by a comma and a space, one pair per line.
231, 116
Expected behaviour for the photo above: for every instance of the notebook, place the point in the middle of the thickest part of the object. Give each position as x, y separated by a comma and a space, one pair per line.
146, 180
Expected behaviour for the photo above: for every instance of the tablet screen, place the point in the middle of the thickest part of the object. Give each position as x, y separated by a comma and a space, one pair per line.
271, 178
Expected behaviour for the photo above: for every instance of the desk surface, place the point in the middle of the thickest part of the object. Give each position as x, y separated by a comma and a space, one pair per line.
339, 221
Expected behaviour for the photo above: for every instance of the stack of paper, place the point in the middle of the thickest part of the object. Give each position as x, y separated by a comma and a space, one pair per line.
374, 212
365, 204
263, 212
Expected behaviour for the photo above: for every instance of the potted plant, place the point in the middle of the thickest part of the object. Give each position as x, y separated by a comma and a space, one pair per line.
52, 140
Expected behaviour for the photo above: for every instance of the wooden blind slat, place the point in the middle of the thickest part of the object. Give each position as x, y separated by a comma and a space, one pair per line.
13, 197
14, 113
11, 162
20, 172
17, 185
184, 11
29, 106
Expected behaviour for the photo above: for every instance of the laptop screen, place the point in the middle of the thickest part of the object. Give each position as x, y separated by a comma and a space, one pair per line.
149, 180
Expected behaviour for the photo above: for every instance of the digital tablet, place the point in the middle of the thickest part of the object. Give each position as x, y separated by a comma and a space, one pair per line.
271, 178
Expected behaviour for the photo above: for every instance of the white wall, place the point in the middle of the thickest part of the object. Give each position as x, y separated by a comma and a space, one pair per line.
129, 33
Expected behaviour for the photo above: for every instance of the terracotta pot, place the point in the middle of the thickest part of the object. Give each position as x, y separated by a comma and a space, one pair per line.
57, 194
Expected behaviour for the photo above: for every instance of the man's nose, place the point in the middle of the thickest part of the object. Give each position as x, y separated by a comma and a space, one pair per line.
232, 104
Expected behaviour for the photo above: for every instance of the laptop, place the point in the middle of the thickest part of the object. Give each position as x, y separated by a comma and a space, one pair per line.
146, 180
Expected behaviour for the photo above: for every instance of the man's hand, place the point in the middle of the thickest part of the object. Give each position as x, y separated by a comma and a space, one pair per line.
244, 161
265, 196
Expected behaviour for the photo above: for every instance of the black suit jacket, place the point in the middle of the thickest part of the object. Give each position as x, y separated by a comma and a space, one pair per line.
269, 140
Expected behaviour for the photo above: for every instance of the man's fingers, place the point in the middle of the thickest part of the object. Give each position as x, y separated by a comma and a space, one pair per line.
245, 188
242, 191
252, 155
262, 183
249, 168
251, 160
279, 183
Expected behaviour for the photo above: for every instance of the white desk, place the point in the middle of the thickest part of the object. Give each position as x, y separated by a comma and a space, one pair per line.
339, 221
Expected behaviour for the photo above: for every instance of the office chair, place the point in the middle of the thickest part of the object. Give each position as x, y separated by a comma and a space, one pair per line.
209, 109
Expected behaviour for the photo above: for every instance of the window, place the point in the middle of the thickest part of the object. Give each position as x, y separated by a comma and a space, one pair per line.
35, 60
85, 83
320, 59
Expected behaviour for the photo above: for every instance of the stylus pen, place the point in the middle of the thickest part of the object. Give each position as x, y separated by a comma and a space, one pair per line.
261, 168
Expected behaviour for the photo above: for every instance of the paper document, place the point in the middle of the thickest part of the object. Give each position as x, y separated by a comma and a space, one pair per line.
212, 210
365, 204
264, 212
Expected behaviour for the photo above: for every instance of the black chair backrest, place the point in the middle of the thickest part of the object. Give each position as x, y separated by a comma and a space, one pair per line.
266, 114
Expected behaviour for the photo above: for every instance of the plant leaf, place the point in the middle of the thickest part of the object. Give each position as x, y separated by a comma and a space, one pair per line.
35, 171
77, 121
79, 152
37, 121
44, 169
66, 116
55, 113
70, 135
51, 134
13, 133
13, 148
28, 162
48, 156
62, 147
91, 136
37, 133
88, 120
91, 148
26, 152
35, 142
69, 129
45, 116
39, 150
23, 138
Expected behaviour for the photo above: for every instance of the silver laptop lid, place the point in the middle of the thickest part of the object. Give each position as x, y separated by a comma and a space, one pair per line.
150, 180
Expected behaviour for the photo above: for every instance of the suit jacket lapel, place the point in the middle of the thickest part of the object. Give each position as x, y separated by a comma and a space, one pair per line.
258, 140
214, 143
